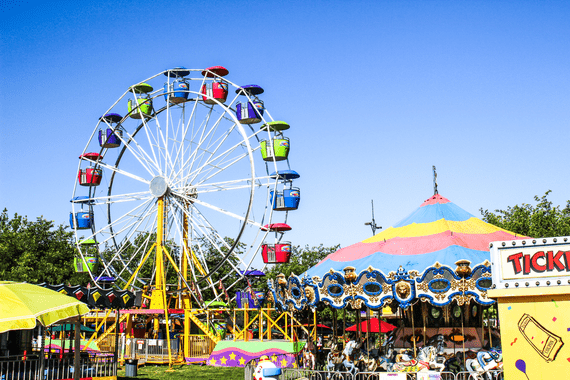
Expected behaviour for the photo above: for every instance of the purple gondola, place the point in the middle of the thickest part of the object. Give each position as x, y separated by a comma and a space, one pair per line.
250, 112
110, 136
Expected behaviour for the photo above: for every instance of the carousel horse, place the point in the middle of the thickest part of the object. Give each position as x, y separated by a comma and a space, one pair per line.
429, 355
406, 363
368, 362
455, 362
433, 353
348, 354
334, 360
438, 341
308, 359
486, 361
386, 361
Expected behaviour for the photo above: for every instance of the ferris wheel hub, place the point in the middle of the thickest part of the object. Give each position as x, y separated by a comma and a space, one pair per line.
158, 186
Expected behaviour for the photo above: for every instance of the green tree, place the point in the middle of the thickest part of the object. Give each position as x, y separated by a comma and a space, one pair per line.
36, 252
541, 220
212, 252
137, 248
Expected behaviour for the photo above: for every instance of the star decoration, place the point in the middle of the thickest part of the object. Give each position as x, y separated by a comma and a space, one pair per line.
274, 358
213, 362
232, 356
223, 360
241, 361
283, 363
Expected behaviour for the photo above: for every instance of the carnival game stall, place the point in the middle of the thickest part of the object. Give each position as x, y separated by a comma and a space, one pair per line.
431, 271
532, 287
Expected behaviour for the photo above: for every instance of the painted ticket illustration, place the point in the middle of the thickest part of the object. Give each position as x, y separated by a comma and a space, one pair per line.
544, 342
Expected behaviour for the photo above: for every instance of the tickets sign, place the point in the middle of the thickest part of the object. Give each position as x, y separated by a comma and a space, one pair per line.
521, 261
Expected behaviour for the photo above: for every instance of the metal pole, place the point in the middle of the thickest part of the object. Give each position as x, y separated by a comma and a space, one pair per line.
116, 353
76, 349
335, 335
368, 332
358, 326
413, 330
42, 353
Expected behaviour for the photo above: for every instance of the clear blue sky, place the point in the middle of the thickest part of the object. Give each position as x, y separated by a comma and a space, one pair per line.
376, 93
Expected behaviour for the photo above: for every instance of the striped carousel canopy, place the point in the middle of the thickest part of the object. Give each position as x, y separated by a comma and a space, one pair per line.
438, 231
439, 253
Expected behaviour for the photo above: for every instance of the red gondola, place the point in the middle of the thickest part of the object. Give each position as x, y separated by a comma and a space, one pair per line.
90, 176
276, 253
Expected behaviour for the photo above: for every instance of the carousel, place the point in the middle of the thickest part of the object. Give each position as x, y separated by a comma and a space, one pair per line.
429, 274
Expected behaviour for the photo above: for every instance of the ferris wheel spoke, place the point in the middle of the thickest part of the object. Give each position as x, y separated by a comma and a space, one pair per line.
139, 153
141, 253
128, 231
180, 148
211, 187
130, 221
216, 169
217, 166
213, 237
221, 211
123, 259
199, 222
207, 135
123, 172
161, 141
221, 157
200, 265
215, 244
120, 198
152, 144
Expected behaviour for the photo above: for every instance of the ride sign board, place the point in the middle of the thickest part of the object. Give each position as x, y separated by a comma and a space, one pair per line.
531, 262
531, 280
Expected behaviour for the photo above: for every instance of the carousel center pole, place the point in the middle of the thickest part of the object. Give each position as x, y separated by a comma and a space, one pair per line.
334, 327
358, 327
368, 332
413, 329
343, 327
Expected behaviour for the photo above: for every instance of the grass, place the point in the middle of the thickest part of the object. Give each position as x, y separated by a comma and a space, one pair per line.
190, 372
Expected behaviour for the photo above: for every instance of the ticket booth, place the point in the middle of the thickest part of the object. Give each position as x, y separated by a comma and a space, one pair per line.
531, 283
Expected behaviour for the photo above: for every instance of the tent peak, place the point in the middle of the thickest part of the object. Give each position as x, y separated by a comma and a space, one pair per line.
436, 198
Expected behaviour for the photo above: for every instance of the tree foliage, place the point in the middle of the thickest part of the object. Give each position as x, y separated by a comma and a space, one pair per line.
302, 259
36, 252
541, 220
212, 253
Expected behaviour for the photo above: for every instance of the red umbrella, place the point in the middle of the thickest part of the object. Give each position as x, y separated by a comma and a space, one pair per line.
376, 325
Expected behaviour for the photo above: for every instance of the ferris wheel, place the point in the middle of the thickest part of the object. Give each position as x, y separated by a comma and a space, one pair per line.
185, 189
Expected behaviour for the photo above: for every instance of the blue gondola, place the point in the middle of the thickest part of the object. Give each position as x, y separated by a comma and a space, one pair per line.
288, 198
177, 91
82, 220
